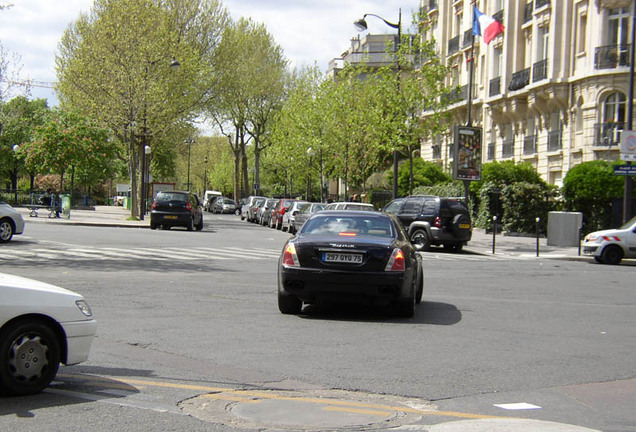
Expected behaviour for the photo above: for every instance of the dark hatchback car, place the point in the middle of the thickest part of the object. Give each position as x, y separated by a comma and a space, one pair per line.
350, 256
433, 221
176, 208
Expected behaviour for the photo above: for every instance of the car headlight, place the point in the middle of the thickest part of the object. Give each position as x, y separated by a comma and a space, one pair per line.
84, 307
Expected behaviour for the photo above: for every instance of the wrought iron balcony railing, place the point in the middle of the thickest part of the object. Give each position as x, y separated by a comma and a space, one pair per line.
519, 80
540, 70
608, 134
612, 56
499, 16
467, 40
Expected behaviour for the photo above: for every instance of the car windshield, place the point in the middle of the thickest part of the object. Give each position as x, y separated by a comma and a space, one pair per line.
172, 197
629, 223
350, 226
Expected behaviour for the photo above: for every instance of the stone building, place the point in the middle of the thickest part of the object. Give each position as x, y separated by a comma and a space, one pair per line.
552, 90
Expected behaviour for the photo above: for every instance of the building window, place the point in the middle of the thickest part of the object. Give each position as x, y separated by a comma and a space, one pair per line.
618, 25
581, 40
554, 135
508, 147
614, 108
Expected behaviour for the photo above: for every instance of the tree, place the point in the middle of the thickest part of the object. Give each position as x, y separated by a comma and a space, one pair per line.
66, 141
424, 174
250, 89
113, 65
19, 118
589, 188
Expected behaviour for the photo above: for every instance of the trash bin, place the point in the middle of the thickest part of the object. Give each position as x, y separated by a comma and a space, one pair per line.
66, 205
564, 228
126, 203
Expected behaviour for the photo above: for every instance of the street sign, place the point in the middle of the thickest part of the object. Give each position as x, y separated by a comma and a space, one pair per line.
628, 145
625, 170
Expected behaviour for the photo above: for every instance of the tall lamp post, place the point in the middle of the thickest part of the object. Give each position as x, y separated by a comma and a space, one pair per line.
144, 181
311, 153
16, 149
189, 141
361, 25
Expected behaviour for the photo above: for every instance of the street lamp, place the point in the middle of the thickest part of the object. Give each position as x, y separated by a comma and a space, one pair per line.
361, 25
189, 141
144, 181
16, 149
311, 153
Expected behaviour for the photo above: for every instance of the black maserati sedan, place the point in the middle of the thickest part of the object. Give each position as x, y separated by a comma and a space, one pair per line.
349, 255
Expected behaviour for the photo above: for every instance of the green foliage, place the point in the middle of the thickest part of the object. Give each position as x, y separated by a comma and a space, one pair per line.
523, 202
448, 189
589, 188
67, 140
506, 173
425, 173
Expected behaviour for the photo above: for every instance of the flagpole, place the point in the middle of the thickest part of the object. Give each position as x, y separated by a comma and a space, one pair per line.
471, 72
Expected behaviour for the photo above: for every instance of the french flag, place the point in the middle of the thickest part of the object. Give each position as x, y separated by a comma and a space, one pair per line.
485, 26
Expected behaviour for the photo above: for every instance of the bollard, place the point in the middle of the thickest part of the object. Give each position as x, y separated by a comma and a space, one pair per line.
494, 232
537, 220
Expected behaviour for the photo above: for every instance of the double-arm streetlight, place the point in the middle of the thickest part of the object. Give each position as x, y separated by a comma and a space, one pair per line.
361, 25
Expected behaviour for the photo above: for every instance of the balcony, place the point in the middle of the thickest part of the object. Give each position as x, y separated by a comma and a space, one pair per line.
540, 3
608, 134
453, 45
461, 94
527, 12
612, 56
530, 145
554, 141
519, 80
540, 70
499, 16
495, 87
508, 149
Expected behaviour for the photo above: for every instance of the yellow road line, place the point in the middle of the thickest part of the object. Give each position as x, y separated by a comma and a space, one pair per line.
250, 396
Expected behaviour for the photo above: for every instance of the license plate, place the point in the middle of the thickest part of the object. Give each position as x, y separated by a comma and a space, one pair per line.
337, 257
464, 226
170, 217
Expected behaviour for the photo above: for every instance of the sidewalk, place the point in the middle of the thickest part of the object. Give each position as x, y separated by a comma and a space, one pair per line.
481, 243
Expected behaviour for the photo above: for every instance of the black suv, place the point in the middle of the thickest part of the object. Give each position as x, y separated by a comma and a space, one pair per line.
176, 208
433, 221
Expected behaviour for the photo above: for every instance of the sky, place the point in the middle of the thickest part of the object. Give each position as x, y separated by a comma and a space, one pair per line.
309, 31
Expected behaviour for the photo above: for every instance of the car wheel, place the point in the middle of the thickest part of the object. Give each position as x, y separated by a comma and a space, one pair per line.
200, 225
190, 225
6, 230
291, 229
599, 260
153, 225
279, 225
242, 217
237, 212
420, 240
612, 255
29, 357
284, 227
289, 305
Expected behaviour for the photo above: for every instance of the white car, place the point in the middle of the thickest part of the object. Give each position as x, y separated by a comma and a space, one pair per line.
611, 246
41, 326
11, 222
290, 215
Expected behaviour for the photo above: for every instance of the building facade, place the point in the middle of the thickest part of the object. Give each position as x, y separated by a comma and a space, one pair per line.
552, 90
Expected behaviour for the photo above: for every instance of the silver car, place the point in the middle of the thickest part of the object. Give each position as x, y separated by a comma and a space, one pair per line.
11, 222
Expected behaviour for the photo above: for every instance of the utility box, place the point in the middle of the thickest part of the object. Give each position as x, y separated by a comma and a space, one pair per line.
564, 228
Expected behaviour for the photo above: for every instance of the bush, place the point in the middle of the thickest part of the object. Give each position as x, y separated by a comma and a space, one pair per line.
589, 188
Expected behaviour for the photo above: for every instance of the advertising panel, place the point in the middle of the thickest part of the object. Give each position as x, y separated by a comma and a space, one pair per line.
467, 153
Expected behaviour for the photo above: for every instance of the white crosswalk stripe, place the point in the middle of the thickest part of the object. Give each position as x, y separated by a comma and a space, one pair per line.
130, 254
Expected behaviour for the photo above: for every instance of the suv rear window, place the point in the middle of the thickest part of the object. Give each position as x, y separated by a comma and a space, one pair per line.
172, 197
